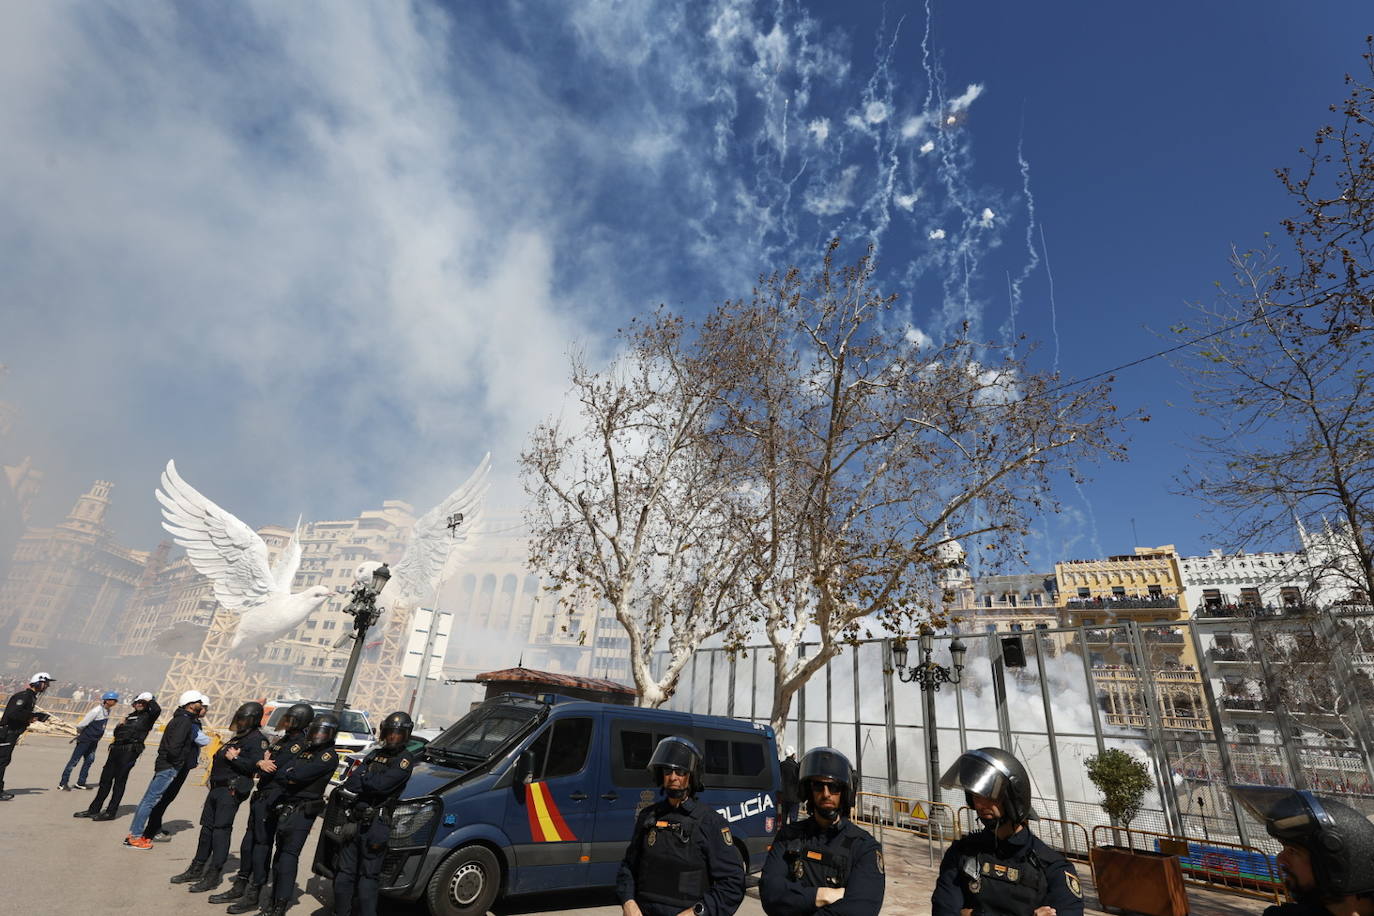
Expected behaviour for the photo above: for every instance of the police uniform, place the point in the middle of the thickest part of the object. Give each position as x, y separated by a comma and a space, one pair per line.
124, 752
807, 855
1010, 877
372, 784
231, 781
255, 851
681, 857
303, 783
19, 714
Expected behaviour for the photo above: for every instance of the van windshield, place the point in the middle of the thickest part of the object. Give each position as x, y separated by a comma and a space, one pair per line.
350, 722
487, 729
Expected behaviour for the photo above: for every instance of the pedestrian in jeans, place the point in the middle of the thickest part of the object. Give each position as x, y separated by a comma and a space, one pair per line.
129, 736
89, 731
153, 829
176, 754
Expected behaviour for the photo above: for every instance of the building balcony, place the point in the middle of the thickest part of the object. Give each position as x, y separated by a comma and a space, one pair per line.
1124, 603
1220, 611
1225, 654
1241, 704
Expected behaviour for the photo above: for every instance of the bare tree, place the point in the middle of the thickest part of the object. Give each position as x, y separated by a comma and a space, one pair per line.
868, 447
633, 507
1285, 376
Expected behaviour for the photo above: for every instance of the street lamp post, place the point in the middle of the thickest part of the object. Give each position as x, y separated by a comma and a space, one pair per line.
363, 609
929, 676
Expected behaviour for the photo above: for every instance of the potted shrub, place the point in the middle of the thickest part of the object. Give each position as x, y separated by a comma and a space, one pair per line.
1144, 881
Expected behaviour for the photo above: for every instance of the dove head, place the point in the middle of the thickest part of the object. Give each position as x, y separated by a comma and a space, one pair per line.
363, 573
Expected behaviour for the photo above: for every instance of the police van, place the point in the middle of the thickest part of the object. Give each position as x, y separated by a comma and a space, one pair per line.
534, 794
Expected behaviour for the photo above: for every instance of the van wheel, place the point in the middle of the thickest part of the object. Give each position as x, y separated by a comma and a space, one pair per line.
466, 884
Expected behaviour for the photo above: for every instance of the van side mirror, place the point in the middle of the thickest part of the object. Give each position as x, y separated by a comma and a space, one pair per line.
523, 769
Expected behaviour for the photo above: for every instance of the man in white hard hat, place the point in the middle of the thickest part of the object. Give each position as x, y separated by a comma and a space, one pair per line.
127, 745
787, 800
177, 751
18, 716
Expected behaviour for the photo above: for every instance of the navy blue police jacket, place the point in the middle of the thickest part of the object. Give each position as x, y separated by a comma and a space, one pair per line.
808, 855
711, 844
998, 864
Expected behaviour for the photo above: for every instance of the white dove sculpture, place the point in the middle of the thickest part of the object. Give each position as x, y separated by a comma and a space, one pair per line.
234, 558
432, 548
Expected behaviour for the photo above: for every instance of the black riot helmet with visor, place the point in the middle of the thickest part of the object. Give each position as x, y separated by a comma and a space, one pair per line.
827, 764
993, 773
324, 728
674, 753
297, 717
396, 727
247, 717
1339, 840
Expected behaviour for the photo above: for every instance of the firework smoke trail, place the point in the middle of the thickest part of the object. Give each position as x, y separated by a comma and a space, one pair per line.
1014, 287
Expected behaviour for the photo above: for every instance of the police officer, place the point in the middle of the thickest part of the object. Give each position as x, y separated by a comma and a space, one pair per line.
369, 788
1327, 858
127, 745
303, 781
825, 863
255, 851
682, 858
1003, 869
18, 716
231, 781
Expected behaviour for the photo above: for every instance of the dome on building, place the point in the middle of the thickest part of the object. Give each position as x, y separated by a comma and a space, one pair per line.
950, 553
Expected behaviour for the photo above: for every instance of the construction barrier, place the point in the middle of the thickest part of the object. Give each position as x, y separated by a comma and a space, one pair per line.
1208, 863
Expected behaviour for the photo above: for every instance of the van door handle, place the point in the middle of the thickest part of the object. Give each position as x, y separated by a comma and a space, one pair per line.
578, 796
610, 796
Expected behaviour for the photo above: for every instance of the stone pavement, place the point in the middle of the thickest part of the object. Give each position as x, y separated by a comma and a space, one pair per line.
57, 863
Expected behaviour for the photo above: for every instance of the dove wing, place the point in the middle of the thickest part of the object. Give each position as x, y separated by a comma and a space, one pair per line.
219, 546
413, 579
288, 561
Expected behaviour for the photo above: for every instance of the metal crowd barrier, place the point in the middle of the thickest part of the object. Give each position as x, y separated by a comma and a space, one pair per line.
915, 816
1213, 864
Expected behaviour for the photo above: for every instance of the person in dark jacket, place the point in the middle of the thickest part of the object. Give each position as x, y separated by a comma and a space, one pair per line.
825, 863
153, 829
1003, 869
787, 800
303, 782
682, 857
177, 750
364, 796
89, 731
231, 781
18, 716
127, 745
1327, 859
255, 851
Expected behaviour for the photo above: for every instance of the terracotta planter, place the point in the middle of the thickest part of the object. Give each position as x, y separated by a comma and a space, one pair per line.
1139, 880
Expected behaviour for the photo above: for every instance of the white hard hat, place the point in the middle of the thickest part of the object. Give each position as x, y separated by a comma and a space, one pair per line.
40, 676
145, 696
791, 751
204, 699
191, 696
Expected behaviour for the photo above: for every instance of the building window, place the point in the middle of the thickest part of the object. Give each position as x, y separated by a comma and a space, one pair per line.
1250, 597
1084, 593
1155, 591
1118, 591
1290, 596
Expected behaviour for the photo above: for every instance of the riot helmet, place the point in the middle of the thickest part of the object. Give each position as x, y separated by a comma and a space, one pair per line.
678, 754
297, 717
247, 717
828, 764
993, 773
323, 730
1339, 839
398, 723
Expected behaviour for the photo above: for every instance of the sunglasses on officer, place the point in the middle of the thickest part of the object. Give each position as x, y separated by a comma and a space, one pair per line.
819, 787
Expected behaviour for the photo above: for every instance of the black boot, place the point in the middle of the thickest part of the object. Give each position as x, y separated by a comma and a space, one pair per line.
208, 881
276, 908
248, 903
234, 893
192, 872
107, 816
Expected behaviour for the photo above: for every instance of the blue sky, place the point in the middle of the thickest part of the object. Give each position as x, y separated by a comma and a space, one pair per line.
327, 254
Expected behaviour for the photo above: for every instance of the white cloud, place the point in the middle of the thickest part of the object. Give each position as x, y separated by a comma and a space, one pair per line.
820, 129
906, 201
915, 335
834, 197
937, 234
876, 112
967, 98
911, 127
988, 218
927, 146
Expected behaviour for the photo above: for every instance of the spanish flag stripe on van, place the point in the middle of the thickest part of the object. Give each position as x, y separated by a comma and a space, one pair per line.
546, 823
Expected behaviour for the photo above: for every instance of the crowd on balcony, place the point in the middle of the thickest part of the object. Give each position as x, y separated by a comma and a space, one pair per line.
1253, 610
